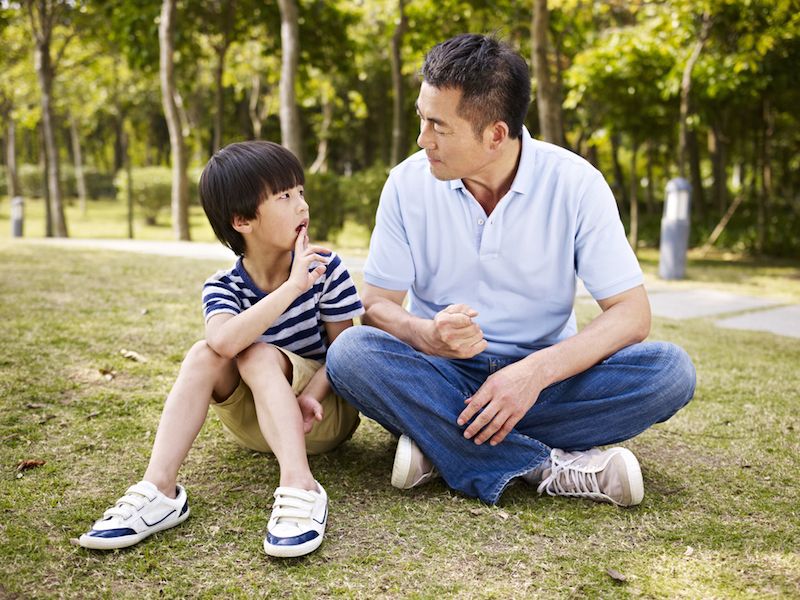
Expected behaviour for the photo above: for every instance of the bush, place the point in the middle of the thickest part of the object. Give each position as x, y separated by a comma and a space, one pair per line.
361, 193
324, 194
31, 180
152, 190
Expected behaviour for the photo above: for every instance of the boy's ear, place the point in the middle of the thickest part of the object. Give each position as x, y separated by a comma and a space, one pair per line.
241, 224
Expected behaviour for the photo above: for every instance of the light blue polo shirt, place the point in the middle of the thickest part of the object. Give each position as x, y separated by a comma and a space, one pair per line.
516, 267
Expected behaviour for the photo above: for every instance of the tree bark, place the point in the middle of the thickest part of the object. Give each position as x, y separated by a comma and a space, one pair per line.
399, 133
43, 19
258, 109
650, 197
695, 176
619, 178
548, 101
320, 164
686, 89
12, 176
219, 97
180, 182
290, 53
77, 156
633, 232
45, 164
717, 147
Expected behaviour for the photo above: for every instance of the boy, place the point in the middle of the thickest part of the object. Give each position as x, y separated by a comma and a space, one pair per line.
269, 320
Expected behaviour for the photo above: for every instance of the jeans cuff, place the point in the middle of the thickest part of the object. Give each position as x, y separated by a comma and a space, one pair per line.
494, 496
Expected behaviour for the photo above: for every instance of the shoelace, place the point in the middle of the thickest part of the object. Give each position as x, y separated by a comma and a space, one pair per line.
292, 504
133, 501
566, 480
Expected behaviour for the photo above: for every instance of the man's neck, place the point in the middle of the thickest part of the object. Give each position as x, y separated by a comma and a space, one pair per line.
493, 182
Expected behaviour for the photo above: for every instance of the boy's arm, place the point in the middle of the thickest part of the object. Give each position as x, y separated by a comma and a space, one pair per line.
318, 387
228, 334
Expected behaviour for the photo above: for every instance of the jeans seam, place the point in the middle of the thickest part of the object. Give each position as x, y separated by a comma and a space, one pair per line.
506, 479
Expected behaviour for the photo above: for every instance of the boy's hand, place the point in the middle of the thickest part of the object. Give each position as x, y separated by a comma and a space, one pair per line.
311, 410
300, 277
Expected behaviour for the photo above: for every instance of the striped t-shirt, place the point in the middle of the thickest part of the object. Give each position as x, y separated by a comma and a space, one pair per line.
300, 328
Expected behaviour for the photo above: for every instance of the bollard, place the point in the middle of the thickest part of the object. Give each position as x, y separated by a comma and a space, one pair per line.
675, 230
17, 216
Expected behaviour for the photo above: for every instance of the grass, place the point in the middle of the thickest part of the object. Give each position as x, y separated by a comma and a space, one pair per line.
719, 519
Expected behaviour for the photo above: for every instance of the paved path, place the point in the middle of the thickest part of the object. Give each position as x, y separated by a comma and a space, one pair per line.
735, 311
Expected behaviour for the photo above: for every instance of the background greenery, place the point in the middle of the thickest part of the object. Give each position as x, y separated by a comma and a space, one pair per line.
719, 518
618, 67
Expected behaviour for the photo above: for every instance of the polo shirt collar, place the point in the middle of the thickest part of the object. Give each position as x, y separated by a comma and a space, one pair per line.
523, 180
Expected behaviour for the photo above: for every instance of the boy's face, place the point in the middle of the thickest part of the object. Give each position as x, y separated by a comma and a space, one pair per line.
279, 219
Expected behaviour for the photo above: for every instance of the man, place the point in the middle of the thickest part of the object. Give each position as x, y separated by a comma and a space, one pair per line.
484, 377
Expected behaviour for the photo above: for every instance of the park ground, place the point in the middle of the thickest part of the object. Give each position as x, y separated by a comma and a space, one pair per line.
719, 518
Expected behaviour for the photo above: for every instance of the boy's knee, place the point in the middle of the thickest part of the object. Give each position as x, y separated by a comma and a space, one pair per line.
258, 356
201, 356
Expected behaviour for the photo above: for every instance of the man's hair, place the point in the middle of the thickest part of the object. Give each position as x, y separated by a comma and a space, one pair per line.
494, 80
238, 178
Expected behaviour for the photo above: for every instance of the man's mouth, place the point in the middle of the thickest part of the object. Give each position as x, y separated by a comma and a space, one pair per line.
304, 223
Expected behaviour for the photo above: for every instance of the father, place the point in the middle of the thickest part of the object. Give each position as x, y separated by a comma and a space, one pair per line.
485, 377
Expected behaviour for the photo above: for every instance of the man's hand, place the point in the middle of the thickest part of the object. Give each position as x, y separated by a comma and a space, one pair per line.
311, 410
304, 255
453, 333
505, 397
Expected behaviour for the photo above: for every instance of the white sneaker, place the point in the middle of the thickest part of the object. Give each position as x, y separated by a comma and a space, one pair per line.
141, 512
611, 475
411, 467
297, 523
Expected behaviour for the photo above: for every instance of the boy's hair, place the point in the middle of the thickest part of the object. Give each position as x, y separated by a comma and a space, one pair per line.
494, 80
238, 178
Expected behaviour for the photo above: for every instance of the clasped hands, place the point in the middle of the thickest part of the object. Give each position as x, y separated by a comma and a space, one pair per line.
506, 395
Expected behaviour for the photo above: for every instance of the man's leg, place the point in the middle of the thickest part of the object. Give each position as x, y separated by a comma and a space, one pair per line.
613, 401
411, 393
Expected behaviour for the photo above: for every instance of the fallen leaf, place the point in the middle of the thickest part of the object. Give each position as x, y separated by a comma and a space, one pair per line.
93, 415
45, 419
689, 551
145, 311
24, 465
503, 514
34, 405
132, 355
476, 511
108, 374
616, 575
74, 541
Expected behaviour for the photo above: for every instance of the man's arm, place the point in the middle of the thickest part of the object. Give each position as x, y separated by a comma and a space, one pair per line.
452, 333
509, 393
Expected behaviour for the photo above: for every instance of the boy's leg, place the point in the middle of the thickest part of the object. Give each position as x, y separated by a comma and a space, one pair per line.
204, 376
267, 372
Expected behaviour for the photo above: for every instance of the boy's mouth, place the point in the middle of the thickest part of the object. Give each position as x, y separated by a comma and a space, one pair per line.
304, 223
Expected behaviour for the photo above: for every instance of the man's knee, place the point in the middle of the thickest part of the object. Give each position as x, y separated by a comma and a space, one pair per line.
677, 375
353, 348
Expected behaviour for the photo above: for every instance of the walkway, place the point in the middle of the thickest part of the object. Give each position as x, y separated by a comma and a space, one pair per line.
733, 311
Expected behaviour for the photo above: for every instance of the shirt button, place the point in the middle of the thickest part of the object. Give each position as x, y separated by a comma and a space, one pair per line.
480, 221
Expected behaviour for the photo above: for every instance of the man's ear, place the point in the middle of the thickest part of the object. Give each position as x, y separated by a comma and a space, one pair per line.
495, 134
241, 224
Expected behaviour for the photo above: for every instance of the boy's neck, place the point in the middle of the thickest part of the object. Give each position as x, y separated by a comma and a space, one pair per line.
268, 270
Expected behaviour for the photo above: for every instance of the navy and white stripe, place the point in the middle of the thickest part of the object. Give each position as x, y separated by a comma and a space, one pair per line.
300, 328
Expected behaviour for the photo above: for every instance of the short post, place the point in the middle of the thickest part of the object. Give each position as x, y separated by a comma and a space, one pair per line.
675, 230
17, 216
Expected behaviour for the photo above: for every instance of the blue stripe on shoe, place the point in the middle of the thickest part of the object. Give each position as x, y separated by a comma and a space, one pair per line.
111, 533
291, 541
185, 507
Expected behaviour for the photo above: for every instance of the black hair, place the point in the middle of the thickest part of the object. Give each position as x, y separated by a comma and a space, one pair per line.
494, 80
238, 178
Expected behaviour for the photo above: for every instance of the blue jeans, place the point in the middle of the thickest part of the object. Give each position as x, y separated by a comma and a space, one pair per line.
412, 393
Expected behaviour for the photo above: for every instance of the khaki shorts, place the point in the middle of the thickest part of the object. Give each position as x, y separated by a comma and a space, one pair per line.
238, 413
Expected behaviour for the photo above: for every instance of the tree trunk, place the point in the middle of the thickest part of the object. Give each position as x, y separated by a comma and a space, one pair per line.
650, 197
180, 182
686, 88
768, 121
695, 176
290, 52
548, 102
219, 95
45, 164
399, 134
320, 164
717, 150
633, 232
619, 178
12, 176
44, 70
80, 179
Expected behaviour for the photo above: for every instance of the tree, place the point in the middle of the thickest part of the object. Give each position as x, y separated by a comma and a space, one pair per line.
180, 181
399, 134
44, 16
548, 99
290, 52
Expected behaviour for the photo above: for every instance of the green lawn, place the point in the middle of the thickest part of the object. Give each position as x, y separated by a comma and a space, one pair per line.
719, 518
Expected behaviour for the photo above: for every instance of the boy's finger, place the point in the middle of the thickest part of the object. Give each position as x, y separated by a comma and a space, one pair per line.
301, 242
316, 248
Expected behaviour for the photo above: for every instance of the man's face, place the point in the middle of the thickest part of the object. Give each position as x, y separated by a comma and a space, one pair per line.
449, 140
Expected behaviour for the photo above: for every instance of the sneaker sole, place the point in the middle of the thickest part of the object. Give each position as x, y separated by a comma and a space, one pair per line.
98, 543
401, 469
293, 551
634, 477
